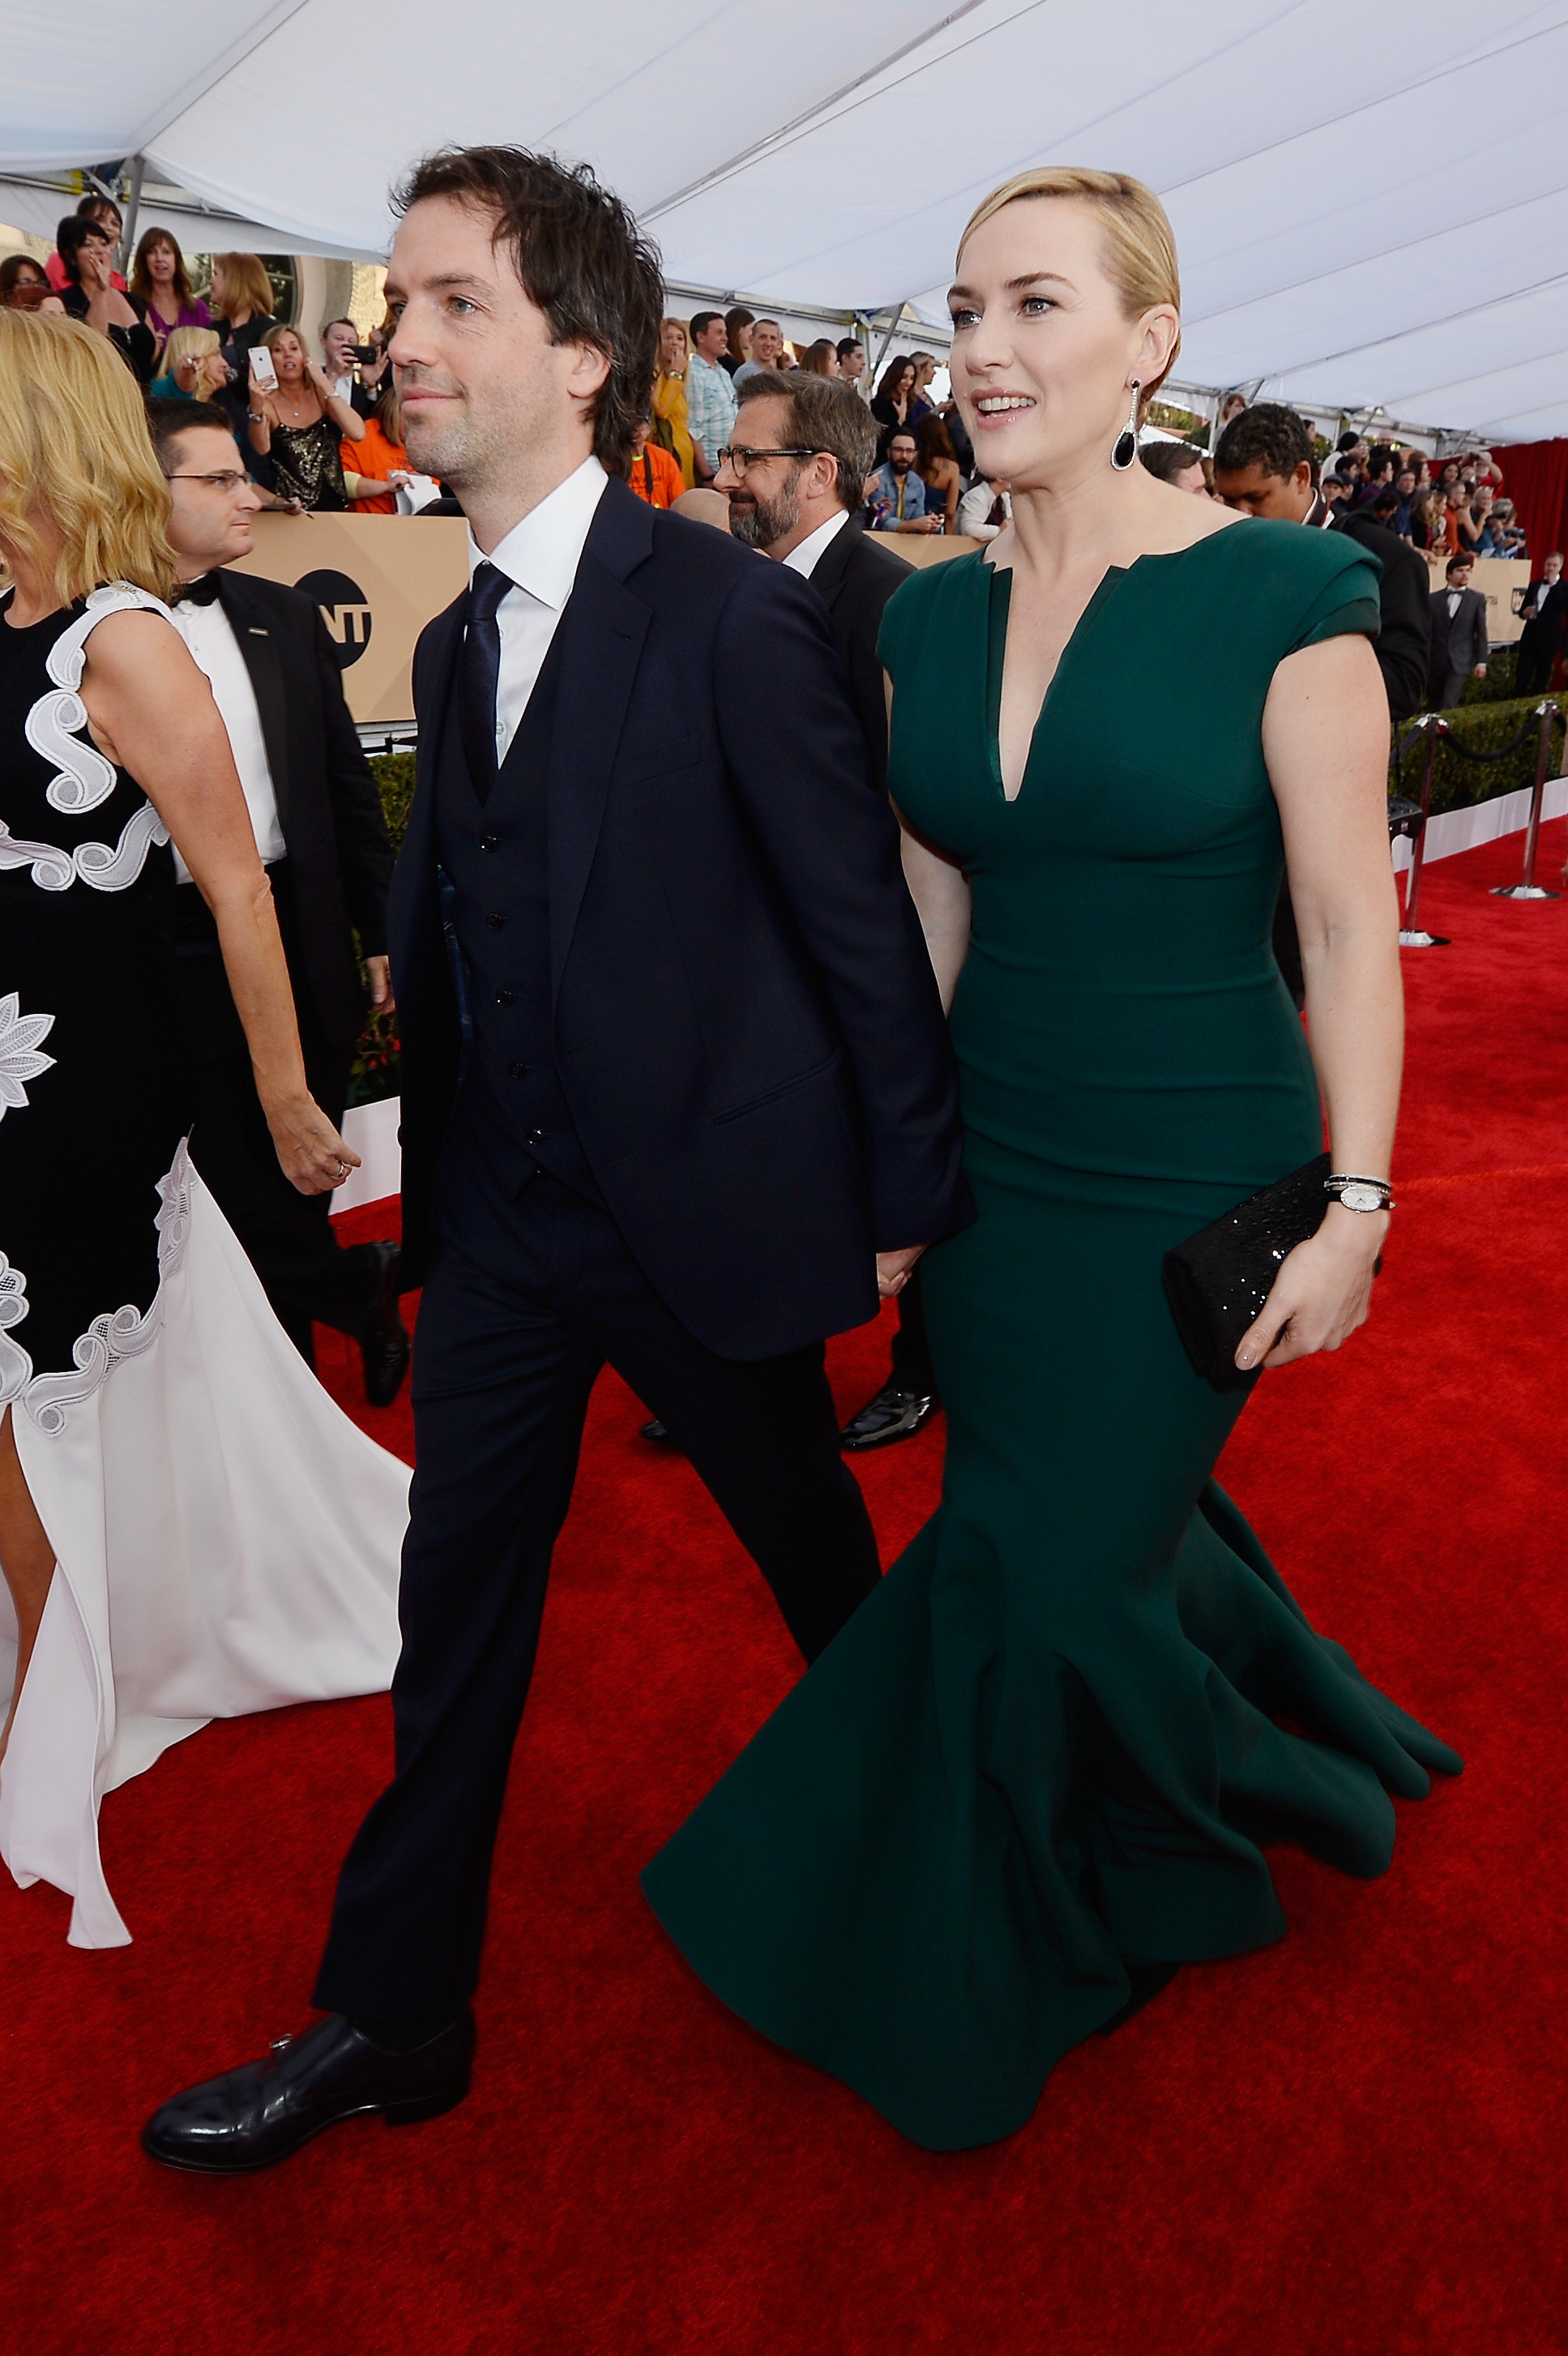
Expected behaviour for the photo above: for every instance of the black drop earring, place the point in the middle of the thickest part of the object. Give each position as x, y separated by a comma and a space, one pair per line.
1127, 443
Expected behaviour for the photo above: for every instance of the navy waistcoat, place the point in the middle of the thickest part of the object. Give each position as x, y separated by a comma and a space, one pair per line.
495, 854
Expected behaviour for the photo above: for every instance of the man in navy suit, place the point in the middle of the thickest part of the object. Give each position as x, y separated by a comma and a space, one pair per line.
708, 1110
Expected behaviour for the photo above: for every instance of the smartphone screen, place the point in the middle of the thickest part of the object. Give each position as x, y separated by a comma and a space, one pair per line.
262, 373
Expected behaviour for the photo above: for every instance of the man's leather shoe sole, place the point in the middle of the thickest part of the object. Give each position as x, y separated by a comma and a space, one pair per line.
266, 2110
893, 1414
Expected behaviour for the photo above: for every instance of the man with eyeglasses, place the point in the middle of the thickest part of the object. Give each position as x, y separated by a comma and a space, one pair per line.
322, 836
793, 472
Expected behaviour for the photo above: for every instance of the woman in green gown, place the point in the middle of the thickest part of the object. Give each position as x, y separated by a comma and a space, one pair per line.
1036, 1771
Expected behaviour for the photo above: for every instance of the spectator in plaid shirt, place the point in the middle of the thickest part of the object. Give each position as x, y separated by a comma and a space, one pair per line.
710, 406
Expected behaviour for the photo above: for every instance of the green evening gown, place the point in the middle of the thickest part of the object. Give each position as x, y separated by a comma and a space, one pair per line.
1053, 1741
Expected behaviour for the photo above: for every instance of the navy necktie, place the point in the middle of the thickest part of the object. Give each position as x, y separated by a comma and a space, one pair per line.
481, 675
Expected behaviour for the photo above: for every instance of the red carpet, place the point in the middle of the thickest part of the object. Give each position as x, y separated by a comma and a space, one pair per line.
1351, 2142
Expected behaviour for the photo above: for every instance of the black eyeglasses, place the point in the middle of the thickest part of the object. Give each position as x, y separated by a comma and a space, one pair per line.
224, 482
739, 457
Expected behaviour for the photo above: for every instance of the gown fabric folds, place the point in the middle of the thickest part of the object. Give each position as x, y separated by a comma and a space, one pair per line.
1051, 1744
227, 1539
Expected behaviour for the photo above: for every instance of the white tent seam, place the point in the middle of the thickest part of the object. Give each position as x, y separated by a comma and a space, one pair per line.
213, 73
813, 116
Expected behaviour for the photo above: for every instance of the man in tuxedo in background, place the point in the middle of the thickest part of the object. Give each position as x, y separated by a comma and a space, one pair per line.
800, 454
1544, 613
1458, 635
1403, 647
1264, 466
323, 839
708, 1112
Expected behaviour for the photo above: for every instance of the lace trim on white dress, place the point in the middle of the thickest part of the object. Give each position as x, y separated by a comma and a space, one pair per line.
85, 777
118, 1333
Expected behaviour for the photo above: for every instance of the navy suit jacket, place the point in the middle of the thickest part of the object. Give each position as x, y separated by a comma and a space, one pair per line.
747, 1029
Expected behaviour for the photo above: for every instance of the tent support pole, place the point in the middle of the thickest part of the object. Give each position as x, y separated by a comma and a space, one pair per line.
887, 339
133, 207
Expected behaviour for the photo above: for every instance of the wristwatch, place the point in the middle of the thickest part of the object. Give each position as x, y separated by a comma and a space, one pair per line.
1360, 1193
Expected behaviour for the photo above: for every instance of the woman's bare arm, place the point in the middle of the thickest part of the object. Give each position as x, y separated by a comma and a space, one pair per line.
940, 891
940, 894
151, 710
1326, 734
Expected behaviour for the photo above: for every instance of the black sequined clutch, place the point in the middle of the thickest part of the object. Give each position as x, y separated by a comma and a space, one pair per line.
1217, 1280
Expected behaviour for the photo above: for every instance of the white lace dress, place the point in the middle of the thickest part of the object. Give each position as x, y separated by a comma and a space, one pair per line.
226, 1539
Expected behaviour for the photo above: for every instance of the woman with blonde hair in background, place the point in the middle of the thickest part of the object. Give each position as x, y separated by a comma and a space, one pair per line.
668, 410
302, 425
241, 303
194, 367
188, 1527
1032, 1776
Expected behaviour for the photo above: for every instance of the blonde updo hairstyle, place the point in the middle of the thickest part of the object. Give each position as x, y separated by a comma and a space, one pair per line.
1139, 246
74, 444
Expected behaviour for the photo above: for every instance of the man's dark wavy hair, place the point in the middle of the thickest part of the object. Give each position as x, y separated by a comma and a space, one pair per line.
579, 259
1268, 436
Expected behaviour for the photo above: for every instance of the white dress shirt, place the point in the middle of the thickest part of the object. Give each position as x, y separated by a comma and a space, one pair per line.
540, 556
216, 650
802, 560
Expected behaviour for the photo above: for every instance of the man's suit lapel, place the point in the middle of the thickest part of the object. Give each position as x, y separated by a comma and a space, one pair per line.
602, 632
264, 664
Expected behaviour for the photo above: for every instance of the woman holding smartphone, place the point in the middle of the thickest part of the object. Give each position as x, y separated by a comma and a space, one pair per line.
299, 422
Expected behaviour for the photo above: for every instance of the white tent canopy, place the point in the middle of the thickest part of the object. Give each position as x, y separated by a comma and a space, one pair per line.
1371, 209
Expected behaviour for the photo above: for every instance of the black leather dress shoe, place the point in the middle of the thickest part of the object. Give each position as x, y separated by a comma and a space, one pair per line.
262, 2113
384, 1341
893, 1414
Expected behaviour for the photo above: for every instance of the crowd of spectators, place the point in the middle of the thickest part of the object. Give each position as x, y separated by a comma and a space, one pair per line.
325, 432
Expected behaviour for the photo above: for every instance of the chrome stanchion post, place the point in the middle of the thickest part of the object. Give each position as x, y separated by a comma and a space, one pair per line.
1528, 888
1411, 936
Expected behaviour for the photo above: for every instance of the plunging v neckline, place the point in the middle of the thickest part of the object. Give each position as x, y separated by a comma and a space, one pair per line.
999, 592
998, 606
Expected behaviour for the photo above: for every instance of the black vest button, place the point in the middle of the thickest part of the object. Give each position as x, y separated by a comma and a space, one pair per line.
494, 920
489, 842
536, 1137
504, 997
518, 1071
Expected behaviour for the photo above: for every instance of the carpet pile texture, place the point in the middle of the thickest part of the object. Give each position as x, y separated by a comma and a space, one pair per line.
1353, 2142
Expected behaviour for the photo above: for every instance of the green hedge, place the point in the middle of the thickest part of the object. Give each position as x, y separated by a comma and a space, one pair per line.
1485, 725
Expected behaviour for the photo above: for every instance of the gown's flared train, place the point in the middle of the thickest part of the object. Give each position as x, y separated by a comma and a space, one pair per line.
1051, 1743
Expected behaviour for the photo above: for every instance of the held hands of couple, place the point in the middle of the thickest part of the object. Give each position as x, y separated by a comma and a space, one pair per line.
893, 1271
1323, 1291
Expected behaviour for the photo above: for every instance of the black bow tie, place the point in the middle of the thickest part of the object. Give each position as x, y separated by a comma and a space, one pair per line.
198, 592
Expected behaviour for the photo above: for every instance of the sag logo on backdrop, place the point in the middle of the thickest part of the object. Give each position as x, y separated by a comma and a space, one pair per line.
345, 610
